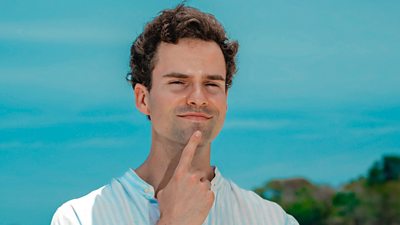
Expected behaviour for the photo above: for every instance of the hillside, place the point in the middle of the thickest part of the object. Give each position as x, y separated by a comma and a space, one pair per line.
373, 199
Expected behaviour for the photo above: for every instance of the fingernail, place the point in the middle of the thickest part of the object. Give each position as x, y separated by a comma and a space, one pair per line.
197, 133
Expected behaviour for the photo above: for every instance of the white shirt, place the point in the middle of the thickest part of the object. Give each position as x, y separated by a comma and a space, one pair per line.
129, 200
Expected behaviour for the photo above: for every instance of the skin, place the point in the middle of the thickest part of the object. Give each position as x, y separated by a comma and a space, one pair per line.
187, 105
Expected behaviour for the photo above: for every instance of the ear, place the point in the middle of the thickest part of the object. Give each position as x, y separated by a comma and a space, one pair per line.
142, 99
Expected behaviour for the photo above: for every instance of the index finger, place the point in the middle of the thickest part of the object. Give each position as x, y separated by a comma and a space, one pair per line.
188, 152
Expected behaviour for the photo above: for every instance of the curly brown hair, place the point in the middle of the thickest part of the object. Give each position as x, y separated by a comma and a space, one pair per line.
170, 26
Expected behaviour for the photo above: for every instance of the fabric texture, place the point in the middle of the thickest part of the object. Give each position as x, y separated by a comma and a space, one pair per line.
128, 200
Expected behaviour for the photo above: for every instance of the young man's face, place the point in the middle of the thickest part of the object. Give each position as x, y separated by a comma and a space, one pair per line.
188, 90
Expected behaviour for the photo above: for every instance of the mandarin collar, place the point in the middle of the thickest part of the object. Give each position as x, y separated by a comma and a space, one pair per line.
133, 184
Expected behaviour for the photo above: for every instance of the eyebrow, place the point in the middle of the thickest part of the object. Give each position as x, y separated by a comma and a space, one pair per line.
181, 75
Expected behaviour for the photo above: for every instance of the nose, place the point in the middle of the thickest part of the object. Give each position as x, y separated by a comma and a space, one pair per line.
197, 97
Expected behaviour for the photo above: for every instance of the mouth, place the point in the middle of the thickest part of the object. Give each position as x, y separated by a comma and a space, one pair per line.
195, 116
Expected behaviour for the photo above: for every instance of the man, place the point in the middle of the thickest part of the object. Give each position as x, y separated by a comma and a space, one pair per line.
181, 68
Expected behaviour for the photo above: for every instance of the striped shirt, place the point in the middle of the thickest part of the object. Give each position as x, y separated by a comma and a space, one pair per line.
129, 200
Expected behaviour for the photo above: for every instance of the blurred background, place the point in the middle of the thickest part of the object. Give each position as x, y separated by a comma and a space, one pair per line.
313, 120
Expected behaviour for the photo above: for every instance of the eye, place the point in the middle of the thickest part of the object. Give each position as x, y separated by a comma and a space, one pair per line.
212, 85
177, 82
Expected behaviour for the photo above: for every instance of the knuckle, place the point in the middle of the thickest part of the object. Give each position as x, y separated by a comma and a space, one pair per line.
205, 185
194, 178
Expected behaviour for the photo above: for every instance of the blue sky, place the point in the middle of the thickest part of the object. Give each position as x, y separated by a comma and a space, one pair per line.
317, 95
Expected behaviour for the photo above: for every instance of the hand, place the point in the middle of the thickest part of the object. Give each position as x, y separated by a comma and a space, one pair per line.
187, 198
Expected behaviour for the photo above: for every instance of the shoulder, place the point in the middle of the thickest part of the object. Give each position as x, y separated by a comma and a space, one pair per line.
119, 202
77, 211
249, 197
272, 212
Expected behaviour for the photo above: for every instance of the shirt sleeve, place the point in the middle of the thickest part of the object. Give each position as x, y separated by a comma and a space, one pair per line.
65, 215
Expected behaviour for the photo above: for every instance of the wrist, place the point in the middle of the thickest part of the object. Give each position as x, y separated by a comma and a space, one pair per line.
164, 221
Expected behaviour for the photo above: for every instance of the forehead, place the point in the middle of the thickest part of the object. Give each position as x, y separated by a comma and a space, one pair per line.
191, 57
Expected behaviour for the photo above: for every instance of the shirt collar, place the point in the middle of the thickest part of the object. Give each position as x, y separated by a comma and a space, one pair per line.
133, 184
217, 180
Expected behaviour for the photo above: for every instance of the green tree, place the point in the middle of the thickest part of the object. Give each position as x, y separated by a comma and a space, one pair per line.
387, 169
391, 168
308, 203
370, 200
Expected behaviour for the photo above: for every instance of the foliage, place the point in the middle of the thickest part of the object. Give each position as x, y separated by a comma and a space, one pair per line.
386, 170
373, 200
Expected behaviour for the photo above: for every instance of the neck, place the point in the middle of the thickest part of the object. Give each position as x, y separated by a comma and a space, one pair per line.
164, 157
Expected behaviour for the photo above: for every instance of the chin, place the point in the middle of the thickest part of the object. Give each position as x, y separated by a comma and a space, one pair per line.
182, 135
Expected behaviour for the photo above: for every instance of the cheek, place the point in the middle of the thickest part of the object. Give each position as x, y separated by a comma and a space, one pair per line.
221, 104
162, 106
